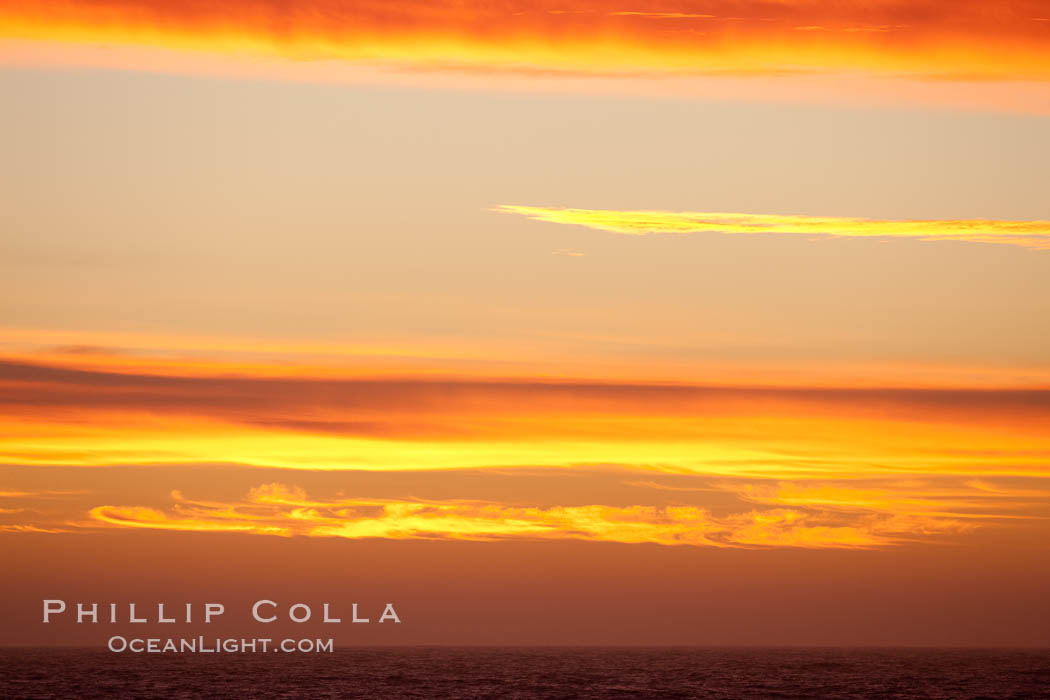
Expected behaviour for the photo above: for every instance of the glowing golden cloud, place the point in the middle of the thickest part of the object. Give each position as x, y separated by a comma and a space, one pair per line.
1028, 234
925, 38
276, 509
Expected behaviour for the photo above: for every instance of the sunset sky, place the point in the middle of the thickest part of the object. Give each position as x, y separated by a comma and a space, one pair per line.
720, 322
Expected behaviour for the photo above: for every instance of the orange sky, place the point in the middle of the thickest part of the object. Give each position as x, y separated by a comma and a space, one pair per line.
267, 329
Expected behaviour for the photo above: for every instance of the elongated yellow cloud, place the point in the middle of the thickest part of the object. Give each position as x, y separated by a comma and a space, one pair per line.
1028, 234
276, 509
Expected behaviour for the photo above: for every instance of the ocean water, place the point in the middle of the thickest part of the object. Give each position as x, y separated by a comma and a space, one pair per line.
436, 672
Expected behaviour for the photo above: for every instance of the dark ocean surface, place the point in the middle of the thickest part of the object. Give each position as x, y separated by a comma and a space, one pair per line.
531, 673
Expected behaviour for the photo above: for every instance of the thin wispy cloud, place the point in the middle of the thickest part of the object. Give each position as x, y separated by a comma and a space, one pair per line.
1027, 234
32, 529
660, 15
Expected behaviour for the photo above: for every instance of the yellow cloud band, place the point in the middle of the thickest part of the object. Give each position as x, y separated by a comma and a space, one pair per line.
275, 509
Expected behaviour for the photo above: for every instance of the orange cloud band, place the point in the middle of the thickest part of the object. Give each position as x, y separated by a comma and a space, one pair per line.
971, 39
52, 416
275, 509
1028, 234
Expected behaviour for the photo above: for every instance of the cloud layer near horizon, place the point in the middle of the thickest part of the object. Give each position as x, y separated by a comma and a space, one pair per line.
1027, 234
727, 466
277, 509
